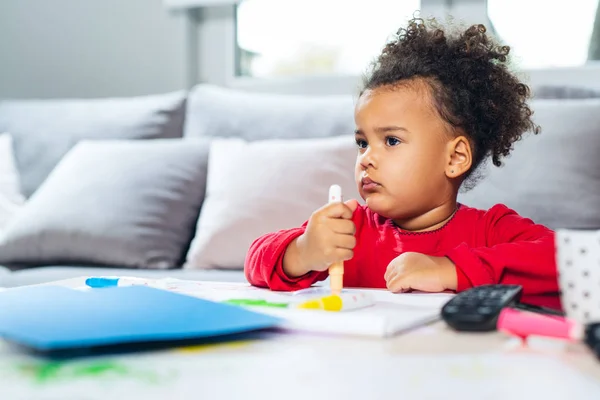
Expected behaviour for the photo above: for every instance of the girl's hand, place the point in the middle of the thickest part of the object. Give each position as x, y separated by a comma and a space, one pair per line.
416, 271
329, 238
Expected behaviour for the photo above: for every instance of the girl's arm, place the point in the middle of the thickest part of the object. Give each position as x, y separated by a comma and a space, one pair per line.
264, 262
518, 252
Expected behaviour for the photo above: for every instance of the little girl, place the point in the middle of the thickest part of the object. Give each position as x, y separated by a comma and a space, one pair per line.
433, 108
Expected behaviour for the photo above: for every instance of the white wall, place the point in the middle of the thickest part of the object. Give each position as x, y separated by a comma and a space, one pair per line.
92, 48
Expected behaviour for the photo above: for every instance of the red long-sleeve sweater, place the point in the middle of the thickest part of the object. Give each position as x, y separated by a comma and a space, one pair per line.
494, 246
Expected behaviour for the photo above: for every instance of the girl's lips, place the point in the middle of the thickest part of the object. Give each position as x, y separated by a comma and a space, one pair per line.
369, 185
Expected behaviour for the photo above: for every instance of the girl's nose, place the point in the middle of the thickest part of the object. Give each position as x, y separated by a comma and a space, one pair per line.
367, 159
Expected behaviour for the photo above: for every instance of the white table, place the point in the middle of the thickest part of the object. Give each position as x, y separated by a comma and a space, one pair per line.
432, 362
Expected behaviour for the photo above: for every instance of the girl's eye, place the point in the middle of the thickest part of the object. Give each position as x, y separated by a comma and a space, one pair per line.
392, 141
361, 143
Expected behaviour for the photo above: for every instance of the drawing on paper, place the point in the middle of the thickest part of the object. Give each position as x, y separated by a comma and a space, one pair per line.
69, 371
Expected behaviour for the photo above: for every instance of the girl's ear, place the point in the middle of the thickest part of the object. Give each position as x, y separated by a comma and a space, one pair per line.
460, 157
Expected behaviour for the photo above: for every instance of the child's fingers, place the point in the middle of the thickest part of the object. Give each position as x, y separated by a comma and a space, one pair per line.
337, 210
352, 204
399, 283
343, 226
389, 276
345, 241
341, 254
389, 272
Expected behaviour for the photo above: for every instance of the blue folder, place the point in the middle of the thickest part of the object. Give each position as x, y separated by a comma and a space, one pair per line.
52, 318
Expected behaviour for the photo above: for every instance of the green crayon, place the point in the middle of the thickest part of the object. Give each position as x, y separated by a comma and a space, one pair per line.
255, 302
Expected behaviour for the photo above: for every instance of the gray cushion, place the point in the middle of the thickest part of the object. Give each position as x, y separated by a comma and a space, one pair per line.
120, 203
44, 130
554, 177
565, 92
217, 111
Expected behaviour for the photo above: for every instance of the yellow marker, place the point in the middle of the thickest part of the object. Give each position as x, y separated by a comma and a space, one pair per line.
336, 273
343, 302
327, 303
336, 270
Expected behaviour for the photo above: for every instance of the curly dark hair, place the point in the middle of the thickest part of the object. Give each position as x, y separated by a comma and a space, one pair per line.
471, 84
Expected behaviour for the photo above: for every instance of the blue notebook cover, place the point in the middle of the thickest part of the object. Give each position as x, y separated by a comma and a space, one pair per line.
51, 318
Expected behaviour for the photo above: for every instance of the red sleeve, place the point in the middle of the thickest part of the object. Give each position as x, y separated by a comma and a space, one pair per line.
518, 251
264, 262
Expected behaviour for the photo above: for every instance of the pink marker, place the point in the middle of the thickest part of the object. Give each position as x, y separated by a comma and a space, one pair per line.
524, 324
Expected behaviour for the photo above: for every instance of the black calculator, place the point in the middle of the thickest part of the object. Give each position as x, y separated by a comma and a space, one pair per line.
477, 309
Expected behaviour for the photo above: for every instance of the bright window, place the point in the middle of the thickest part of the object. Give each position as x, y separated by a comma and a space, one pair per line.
315, 37
332, 37
543, 33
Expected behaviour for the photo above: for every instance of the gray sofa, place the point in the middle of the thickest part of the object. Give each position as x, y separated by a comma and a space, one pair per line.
116, 186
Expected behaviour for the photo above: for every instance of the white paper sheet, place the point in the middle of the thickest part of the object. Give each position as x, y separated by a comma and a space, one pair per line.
391, 314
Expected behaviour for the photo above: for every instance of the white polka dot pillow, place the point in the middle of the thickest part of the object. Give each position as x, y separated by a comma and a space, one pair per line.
578, 258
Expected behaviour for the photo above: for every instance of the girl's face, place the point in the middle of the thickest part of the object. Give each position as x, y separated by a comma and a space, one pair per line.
402, 165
